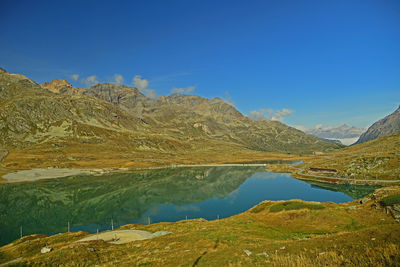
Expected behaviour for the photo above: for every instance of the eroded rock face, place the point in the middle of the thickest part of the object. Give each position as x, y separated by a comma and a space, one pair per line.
203, 127
56, 85
395, 211
126, 97
391, 210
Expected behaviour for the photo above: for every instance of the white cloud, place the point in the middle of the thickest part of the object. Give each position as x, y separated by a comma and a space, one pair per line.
301, 128
90, 80
118, 78
139, 82
75, 77
263, 114
142, 85
279, 115
186, 90
259, 115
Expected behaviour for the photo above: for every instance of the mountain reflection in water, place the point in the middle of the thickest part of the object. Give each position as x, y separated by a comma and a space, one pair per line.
171, 194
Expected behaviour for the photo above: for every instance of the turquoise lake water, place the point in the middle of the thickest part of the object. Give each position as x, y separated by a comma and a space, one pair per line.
165, 195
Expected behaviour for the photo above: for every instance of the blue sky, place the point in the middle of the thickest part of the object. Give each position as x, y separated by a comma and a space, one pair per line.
331, 62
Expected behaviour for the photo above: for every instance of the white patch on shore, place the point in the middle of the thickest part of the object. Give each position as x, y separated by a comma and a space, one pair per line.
43, 173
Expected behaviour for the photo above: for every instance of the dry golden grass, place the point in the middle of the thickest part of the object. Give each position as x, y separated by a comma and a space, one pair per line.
78, 155
376, 159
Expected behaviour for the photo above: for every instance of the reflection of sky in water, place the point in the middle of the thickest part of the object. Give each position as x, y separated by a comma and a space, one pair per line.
259, 187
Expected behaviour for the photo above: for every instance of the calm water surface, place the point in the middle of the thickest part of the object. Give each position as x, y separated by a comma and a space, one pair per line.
91, 202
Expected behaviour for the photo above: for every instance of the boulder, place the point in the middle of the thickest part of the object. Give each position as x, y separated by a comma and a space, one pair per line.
46, 249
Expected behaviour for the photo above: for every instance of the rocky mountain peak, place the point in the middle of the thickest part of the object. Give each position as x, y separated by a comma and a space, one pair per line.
113, 88
388, 125
56, 85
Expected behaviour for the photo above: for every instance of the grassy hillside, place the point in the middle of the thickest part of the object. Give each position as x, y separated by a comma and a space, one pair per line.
307, 234
376, 159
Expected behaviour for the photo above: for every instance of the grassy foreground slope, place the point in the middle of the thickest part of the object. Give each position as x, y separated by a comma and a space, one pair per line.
282, 233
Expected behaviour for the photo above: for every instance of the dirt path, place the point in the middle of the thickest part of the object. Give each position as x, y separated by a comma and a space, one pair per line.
11, 261
346, 179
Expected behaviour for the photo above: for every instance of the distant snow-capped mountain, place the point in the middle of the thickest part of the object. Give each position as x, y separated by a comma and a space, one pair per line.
347, 135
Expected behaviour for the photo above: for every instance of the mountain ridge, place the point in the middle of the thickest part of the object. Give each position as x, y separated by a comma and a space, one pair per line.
75, 127
388, 125
181, 113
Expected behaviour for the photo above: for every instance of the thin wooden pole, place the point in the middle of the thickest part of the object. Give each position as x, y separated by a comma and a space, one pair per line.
112, 224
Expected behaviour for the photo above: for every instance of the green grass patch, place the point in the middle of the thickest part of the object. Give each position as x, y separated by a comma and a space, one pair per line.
294, 205
391, 200
353, 226
260, 207
230, 238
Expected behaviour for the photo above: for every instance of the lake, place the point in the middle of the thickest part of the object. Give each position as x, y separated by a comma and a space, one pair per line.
164, 195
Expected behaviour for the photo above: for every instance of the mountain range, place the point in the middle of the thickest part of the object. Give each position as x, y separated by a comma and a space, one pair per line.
345, 134
57, 114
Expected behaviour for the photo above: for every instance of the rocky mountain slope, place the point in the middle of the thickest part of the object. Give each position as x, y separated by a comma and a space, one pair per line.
58, 122
189, 117
30, 115
388, 125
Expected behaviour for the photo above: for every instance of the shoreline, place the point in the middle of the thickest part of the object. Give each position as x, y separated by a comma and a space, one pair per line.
341, 180
36, 174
